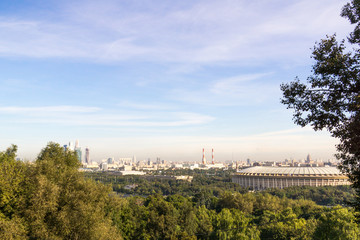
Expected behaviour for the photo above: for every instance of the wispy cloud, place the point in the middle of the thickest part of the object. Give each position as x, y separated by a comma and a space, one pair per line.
182, 67
145, 106
48, 109
201, 32
93, 116
247, 89
275, 136
237, 84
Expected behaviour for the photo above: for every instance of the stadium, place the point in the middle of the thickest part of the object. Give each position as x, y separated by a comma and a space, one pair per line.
258, 178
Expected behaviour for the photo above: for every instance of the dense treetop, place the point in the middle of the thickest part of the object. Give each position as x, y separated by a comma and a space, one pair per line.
51, 199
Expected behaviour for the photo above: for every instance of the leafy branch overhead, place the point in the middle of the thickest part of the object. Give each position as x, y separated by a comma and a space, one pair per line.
331, 95
330, 98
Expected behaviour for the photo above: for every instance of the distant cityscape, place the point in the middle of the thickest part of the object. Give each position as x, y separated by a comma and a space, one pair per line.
130, 165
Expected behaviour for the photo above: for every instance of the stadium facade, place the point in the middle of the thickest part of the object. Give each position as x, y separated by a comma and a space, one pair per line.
259, 178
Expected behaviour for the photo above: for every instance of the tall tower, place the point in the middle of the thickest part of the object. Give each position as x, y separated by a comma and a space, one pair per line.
71, 147
212, 157
87, 155
78, 154
77, 150
203, 157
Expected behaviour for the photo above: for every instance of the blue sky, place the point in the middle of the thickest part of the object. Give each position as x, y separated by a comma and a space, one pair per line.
160, 78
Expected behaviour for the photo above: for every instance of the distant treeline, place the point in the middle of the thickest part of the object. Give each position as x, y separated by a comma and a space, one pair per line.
51, 199
211, 183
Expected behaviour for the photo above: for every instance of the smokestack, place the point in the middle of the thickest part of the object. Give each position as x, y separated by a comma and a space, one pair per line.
203, 157
212, 156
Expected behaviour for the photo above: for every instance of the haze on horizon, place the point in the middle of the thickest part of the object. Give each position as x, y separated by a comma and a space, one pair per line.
160, 79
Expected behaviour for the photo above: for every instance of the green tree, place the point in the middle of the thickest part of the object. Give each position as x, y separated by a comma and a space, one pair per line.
13, 229
130, 216
331, 97
234, 224
187, 219
204, 217
243, 202
12, 178
286, 225
337, 224
267, 202
162, 218
60, 204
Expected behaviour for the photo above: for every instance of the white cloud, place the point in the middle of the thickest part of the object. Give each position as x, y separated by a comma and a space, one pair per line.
93, 116
145, 106
201, 32
237, 84
240, 90
176, 37
48, 109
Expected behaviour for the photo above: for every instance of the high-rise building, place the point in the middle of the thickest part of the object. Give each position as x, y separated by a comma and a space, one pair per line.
77, 143
78, 154
308, 158
77, 150
71, 147
104, 166
87, 155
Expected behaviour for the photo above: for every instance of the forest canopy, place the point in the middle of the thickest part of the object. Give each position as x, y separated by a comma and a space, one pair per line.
51, 199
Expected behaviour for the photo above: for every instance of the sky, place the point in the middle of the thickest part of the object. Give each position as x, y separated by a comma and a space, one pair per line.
161, 78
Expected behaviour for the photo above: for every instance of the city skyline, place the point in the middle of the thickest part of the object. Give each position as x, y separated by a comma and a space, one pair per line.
160, 79
83, 154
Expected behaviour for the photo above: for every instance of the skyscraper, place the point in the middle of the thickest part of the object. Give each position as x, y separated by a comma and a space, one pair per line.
78, 154
308, 158
87, 155
77, 150
71, 147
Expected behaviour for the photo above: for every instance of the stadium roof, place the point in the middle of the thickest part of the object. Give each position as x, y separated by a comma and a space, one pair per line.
292, 170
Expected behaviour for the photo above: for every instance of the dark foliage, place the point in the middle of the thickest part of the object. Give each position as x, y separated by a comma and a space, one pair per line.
331, 97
